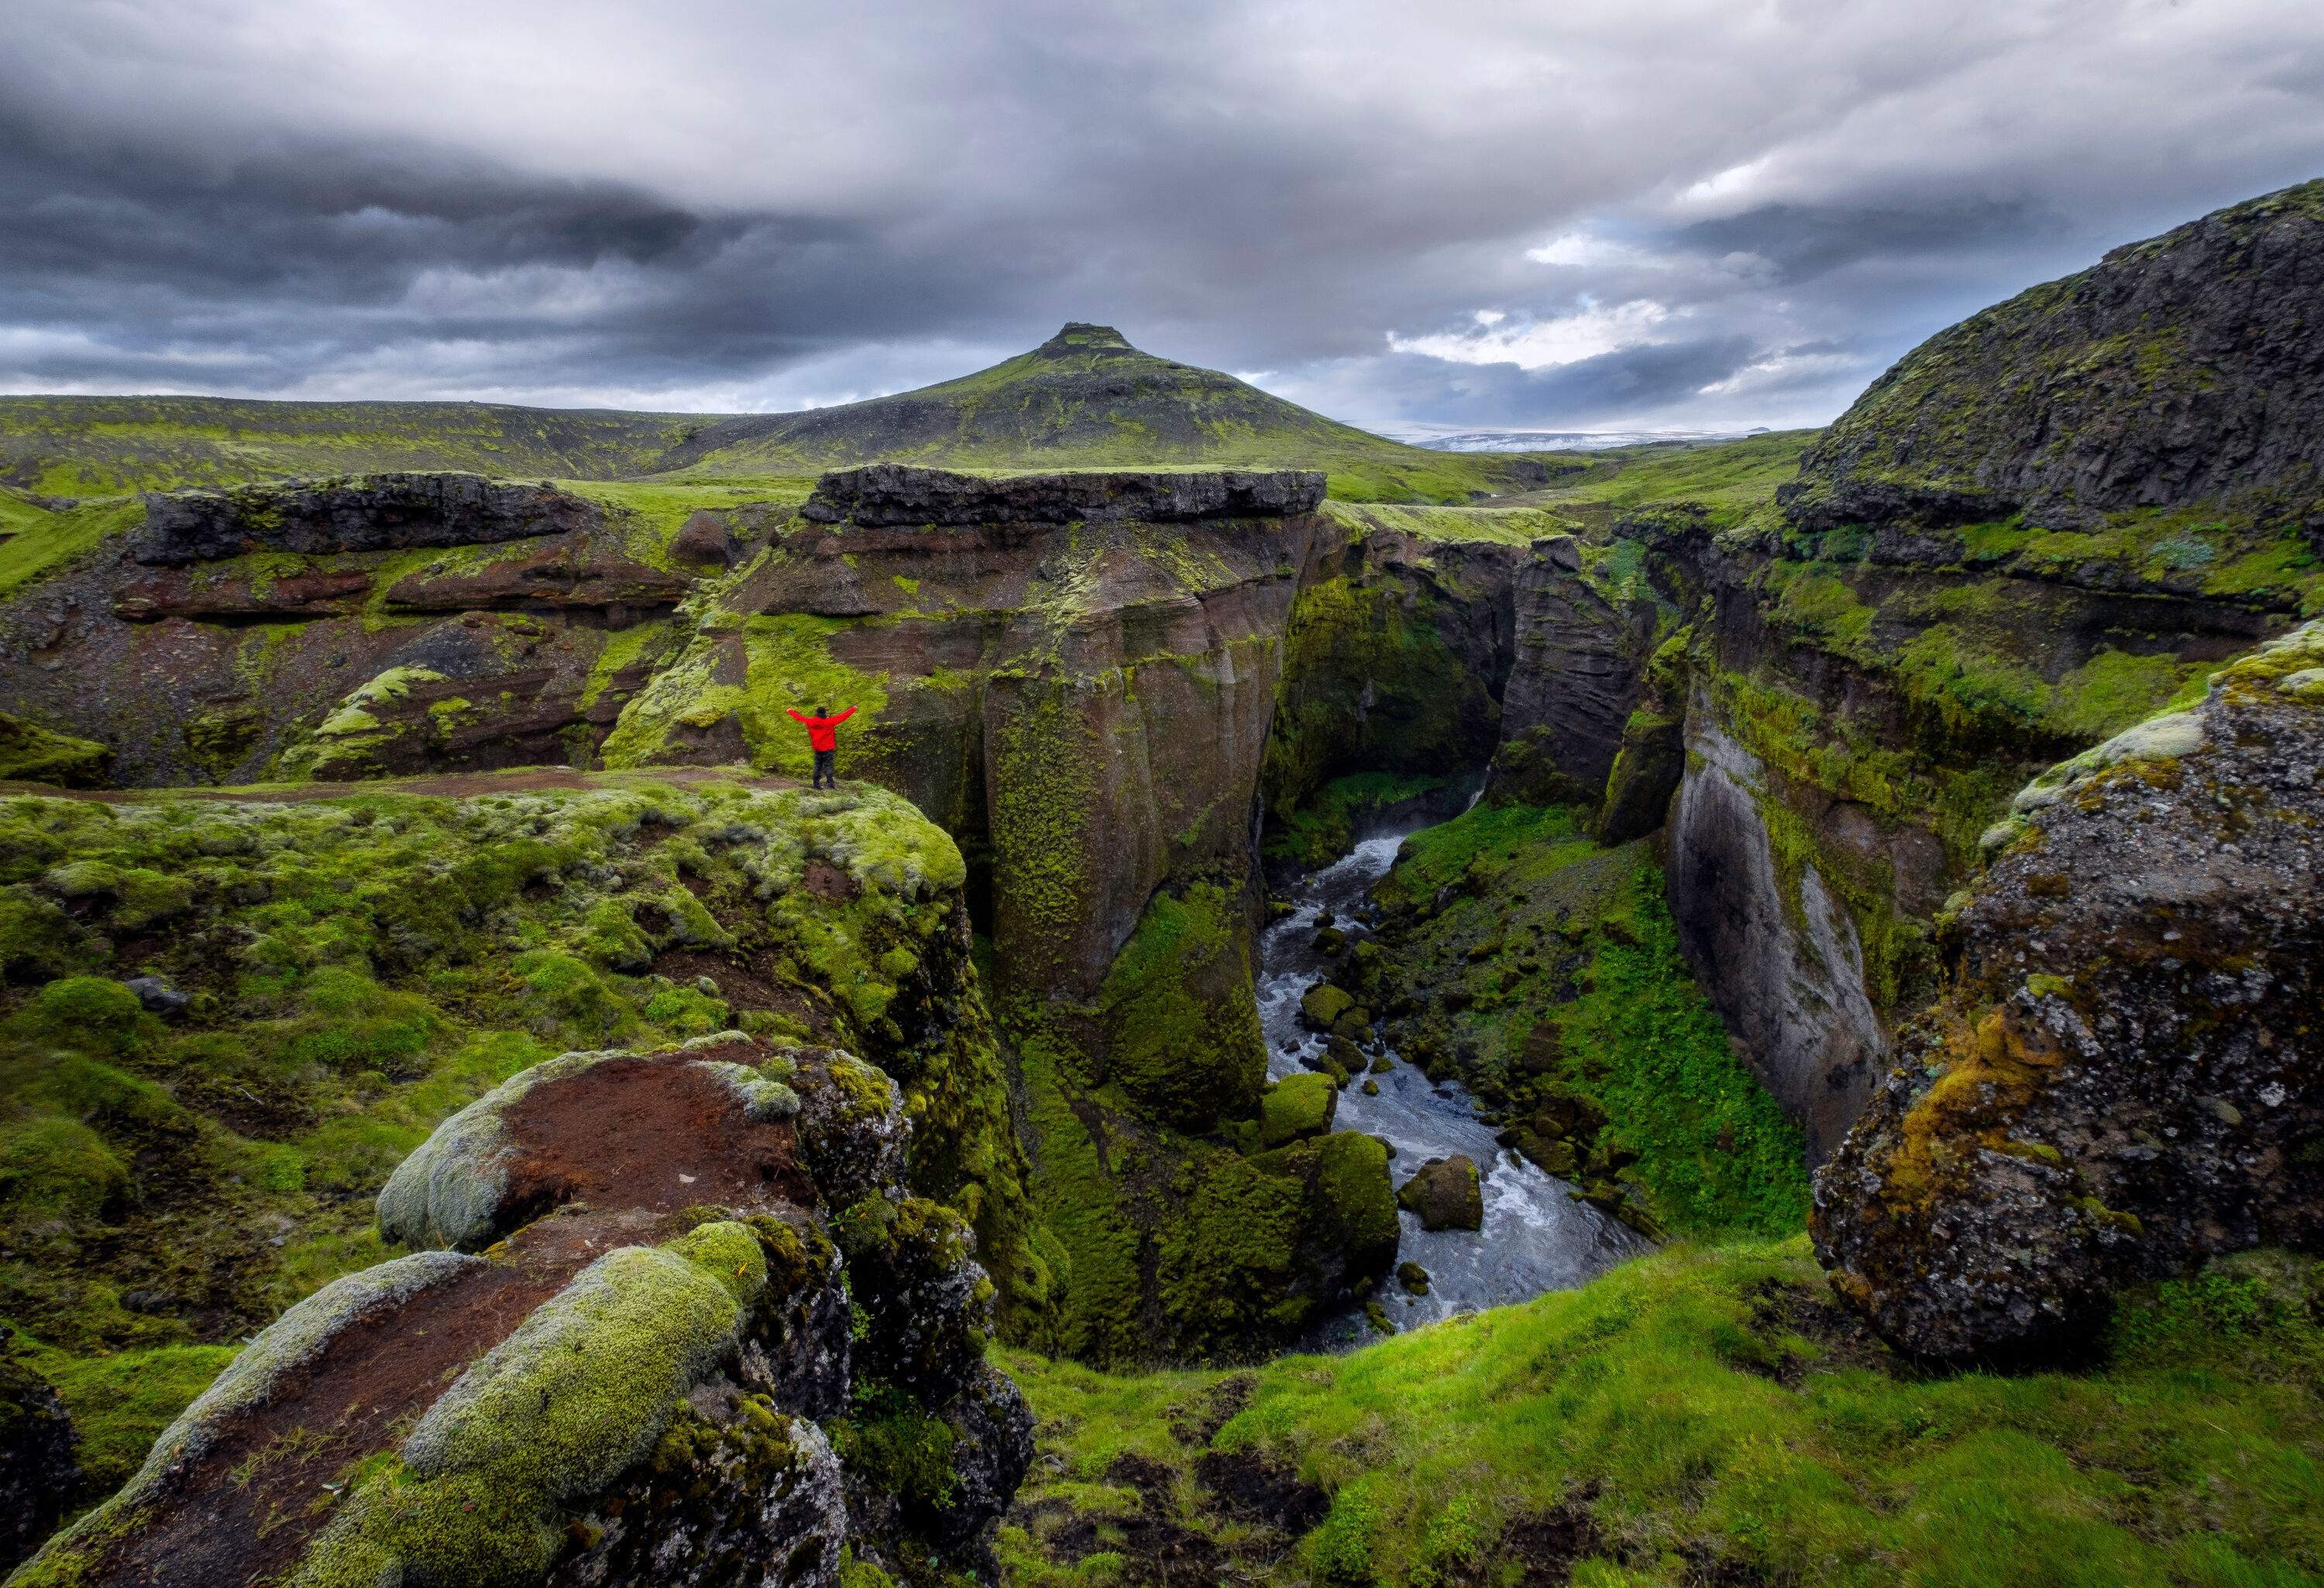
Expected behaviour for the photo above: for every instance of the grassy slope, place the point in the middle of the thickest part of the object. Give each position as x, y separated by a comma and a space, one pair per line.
104, 446
1566, 965
1731, 478
1699, 1415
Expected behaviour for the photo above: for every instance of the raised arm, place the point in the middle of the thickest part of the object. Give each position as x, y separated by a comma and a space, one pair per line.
842, 716
796, 717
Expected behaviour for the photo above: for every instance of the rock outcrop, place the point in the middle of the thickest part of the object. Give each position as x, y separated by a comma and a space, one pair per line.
1581, 657
1444, 1193
632, 1385
2180, 370
888, 496
373, 512
2121, 1081
1781, 954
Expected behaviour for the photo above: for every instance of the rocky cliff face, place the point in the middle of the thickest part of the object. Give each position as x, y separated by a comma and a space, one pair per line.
2121, 1081
650, 1376
2176, 372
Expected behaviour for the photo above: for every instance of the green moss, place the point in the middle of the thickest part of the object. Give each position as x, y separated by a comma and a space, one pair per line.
362, 967
1295, 1107
1643, 1417
581, 1391
1369, 685
120, 1403
1320, 828
890, 1442
1181, 1030
32, 754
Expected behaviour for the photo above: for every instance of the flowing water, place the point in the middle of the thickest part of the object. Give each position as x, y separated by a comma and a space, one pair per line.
1535, 1238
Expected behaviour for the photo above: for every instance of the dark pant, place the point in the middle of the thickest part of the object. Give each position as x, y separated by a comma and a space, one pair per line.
824, 778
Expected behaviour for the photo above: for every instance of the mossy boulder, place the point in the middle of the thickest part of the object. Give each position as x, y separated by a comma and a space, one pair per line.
31, 754
625, 1386
1296, 1107
1323, 1005
1445, 1194
2116, 1086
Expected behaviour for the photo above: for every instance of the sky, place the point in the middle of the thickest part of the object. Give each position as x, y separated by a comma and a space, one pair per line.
1561, 214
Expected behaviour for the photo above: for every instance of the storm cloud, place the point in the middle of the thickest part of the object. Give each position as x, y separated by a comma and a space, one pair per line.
1587, 216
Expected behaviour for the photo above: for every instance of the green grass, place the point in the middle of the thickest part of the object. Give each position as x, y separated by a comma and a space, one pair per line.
1675, 1406
1731, 478
1554, 965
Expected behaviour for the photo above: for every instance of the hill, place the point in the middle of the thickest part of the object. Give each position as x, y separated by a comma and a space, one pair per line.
2179, 375
1083, 399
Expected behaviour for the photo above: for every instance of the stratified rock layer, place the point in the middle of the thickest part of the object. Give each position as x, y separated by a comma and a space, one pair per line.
376, 512
884, 495
2124, 1082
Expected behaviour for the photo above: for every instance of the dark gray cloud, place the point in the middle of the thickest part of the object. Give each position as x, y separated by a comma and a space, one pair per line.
1492, 214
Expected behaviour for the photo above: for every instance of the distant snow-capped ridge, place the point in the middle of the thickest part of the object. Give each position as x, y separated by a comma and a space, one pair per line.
1561, 440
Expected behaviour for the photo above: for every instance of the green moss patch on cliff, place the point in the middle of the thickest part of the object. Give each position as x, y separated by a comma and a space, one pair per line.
357, 968
1543, 971
753, 672
1168, 1246
1181, 1030
1505, 526
1704, 1414
1321, 828
31, 754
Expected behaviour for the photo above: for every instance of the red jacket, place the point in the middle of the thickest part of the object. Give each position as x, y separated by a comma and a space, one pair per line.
823, 732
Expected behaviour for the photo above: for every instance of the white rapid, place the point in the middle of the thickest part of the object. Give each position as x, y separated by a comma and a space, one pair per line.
1535, 1237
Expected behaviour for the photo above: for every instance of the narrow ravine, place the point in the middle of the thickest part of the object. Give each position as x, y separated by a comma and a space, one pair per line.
1535, 1236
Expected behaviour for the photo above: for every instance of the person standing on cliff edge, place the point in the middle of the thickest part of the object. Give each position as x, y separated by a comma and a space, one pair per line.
823, 734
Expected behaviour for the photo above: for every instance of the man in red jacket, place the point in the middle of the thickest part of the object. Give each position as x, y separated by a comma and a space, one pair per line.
823, 734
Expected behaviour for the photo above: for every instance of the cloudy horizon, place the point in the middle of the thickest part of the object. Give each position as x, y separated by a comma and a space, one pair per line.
1679, 217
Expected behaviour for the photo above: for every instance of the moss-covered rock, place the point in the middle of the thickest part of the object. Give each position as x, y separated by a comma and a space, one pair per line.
2116, 1086
1296, 1108
1444, 1193
360, 967
32, 754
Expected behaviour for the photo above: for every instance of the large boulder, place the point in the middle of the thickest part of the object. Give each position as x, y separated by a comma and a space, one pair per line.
629, 1384
2123, 1081
1296, 1108
1444, 1192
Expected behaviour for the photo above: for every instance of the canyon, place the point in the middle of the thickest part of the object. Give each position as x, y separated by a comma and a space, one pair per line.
1753, 832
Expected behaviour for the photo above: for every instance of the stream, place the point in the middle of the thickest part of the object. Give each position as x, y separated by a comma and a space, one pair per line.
1535, 1237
